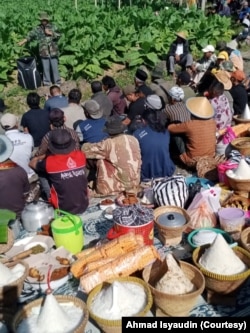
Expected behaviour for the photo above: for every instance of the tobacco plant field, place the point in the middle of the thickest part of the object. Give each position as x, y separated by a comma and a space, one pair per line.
97, 34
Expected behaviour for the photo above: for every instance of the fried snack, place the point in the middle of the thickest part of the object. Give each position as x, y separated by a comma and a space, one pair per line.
106, 202
114, 248
237, 201
34, 272
63, 261
59, 273
123, 265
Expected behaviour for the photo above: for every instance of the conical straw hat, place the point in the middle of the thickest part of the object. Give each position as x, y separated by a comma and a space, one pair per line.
200, 107
224, 77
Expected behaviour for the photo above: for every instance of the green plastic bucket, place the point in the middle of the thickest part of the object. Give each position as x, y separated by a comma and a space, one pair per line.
67, 231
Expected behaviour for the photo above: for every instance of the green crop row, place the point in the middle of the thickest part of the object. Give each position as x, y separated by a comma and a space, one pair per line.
95, 37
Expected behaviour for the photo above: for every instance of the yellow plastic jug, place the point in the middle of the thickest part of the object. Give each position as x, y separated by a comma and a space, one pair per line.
67, 231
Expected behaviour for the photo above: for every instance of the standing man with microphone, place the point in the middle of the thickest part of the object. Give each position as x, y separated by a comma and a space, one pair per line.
47, 36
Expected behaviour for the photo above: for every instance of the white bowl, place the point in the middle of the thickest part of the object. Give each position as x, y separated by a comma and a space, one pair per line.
104, 207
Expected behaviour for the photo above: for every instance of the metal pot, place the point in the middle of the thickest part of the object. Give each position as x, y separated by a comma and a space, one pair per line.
36, 214
172, 219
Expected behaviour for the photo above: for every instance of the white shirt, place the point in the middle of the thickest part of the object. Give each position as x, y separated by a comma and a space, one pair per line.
179, 49
72, 113
23, 146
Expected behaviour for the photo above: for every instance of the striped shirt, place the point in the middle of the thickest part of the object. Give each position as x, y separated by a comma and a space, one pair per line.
177, 111
43, 148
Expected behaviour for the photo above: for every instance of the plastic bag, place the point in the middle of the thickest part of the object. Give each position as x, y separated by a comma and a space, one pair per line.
171, 191
204, 208
228, 136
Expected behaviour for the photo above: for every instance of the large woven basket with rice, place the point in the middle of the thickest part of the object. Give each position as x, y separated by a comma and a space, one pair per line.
26, 311
174, 305
115, 326
170, 235
242, 145
223, 284
245, 239
242, 185
10, 293
4, 247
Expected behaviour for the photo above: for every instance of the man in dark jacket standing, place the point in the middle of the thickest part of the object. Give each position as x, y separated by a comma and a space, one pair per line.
179, 53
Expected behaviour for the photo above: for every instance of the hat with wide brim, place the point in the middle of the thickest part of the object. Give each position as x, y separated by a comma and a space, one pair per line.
6, 148
44, 17
114, 126
224, 77
200, 107
60, 142
181, 34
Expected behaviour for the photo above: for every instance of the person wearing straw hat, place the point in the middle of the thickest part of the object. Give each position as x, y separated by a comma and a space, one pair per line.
179, 53
47, 35
198, 136
13, 179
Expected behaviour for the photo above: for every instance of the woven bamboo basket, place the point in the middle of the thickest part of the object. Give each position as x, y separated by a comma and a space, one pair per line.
6, 247
10, 293
242, 145
170, 235
223, 284
239, 120
245, 239
238, 184
26, 310
115, 326
174, 305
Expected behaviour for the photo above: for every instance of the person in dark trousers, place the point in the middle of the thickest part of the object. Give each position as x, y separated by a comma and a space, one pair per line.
36, 120
238, 92
179, 53
47, 36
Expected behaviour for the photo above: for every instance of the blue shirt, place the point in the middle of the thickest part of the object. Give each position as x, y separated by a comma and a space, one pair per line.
156, 160
91, 130
56, 102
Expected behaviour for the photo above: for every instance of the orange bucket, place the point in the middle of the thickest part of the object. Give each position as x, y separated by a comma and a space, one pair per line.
146, 230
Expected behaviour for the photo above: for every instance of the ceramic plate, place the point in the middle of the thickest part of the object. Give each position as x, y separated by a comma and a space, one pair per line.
53, 284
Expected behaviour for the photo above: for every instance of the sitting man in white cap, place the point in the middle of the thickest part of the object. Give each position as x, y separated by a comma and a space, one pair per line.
207, 61
23, 144
13, 179
179, 53
176, 109
196, 138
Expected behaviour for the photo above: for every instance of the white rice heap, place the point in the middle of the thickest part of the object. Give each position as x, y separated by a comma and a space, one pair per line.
174, 281
219, 258
241, 172
204, 237
52, 317
9, 275
119, 299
